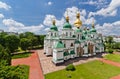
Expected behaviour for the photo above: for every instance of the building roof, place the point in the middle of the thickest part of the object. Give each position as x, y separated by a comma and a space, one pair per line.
78, 30
66, 53
72, 52
54, 28
93, 30
59, 44
77, 42
67, 25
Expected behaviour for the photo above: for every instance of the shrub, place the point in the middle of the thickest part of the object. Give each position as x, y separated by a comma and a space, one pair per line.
70, 67
110, 51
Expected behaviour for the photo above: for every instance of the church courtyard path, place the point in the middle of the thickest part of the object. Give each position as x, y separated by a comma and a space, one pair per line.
48, 66
35, 71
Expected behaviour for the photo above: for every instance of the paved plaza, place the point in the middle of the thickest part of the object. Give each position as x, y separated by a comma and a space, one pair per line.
48, 66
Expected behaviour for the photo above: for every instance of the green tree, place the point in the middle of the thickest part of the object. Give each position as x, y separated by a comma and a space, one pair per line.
109, 39
2, 38
11, 42
42, 40
24, 43
5, 55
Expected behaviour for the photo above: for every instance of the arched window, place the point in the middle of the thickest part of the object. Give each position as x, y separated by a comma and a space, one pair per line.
66, 34
64, 45
70, 34
78, 36
71, 45
55, 34
51, 34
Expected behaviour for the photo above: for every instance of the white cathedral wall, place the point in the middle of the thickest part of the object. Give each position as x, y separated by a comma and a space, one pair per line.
68, 43
49, 51
54, 54
76, 46
85, 50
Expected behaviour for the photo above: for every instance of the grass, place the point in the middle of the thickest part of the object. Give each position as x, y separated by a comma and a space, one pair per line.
113, 57
25, 70
21, 55
91, 70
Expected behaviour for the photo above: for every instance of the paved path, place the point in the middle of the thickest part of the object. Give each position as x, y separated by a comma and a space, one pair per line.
35, 66
48, 66
112, 63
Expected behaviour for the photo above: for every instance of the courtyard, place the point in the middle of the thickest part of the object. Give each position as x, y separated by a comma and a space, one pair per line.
48, 66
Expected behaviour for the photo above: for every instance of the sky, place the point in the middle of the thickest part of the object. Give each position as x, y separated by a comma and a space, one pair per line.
36, 15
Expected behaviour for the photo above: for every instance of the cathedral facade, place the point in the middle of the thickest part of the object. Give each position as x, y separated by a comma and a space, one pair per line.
70, 43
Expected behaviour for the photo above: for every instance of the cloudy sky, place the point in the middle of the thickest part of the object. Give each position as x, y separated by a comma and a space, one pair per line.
37, 15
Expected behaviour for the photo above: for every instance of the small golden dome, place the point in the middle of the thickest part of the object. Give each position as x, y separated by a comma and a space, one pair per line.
53, 22
67, 18
78, 22
93, 26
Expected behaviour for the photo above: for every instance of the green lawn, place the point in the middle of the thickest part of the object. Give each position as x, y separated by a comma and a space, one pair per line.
90, 70
21, 55
26, 71
113, 57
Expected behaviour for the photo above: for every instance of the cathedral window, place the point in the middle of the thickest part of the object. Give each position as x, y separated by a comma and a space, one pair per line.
78, 36
71, 45
64, 45
55, 34
66, 34
51, 34
70, 33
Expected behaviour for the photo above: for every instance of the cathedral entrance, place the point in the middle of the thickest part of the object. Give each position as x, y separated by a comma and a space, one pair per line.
90, 48
80, 51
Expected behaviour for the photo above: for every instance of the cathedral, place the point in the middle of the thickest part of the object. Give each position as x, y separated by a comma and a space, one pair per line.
69, 44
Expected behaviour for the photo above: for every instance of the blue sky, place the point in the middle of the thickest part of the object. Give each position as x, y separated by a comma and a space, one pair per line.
37, 15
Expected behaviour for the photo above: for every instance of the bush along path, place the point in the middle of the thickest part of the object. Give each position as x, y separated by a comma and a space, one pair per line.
34, 63
112, 63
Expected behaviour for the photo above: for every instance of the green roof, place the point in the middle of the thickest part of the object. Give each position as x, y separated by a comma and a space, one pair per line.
66, 53
96, 48
54, 28
72, 52
77, 41
85, 32
78, 30
101, 45
83, 37
67, 25
59, 45
93, 30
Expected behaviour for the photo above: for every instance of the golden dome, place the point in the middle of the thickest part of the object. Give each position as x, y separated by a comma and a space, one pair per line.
93, 26
53, 22
67, 18
78, 22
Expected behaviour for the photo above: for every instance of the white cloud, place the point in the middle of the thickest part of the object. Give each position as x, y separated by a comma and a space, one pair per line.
50, 3
1, 16
109, 28
111, 10
47, 29
48, 20
14, 26
4, 6
97, 3
12, 23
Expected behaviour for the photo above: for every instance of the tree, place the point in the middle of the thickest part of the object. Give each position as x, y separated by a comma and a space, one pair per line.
11, 42
109, 39
70, 67
2, 38
42, 40
5, 55
24, 43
